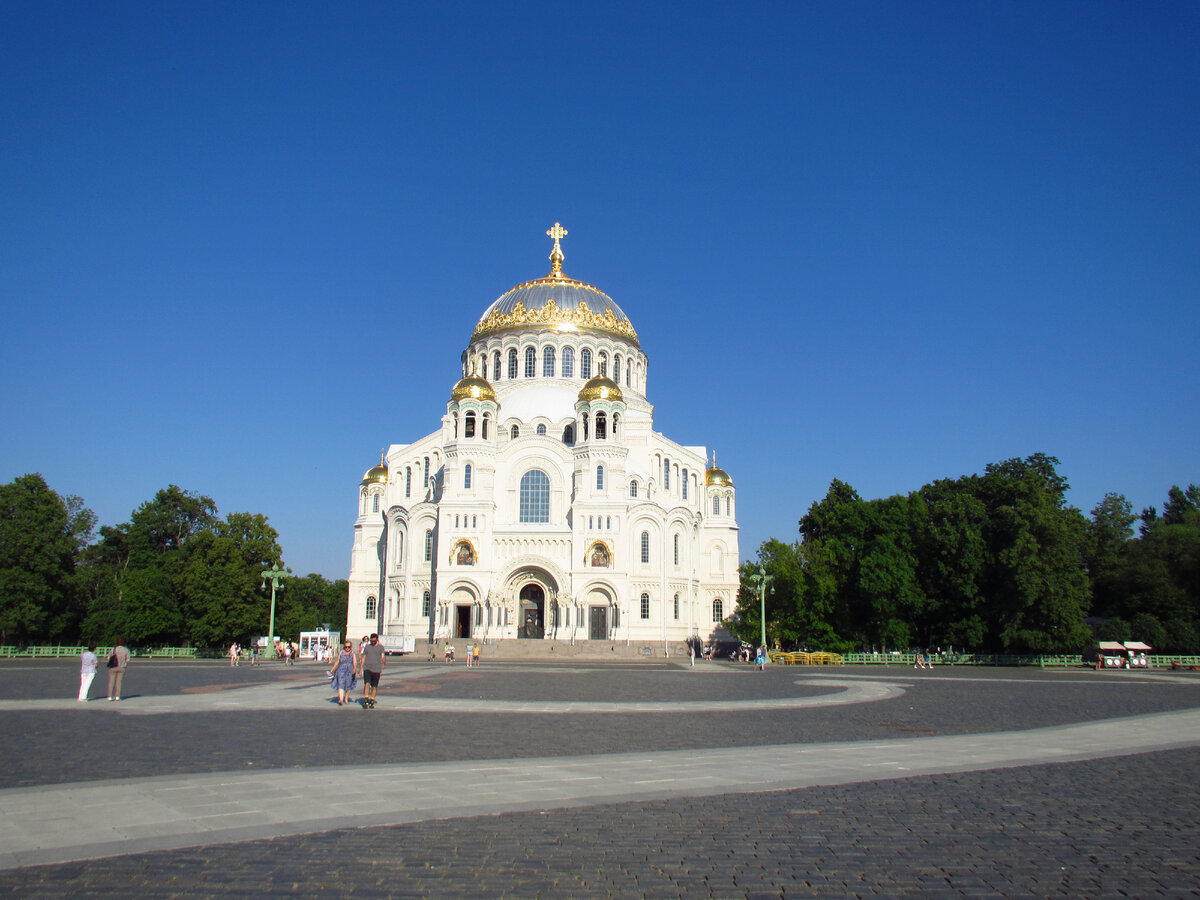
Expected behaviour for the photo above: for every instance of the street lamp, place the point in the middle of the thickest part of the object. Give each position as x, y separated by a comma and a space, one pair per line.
275, 574
761, 580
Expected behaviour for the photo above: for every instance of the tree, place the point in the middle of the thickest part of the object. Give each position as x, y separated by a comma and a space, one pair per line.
222, 579
39, 536
136, 574
1037, 587
1109, 534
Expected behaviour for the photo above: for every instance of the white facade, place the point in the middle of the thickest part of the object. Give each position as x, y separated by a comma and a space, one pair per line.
545, 506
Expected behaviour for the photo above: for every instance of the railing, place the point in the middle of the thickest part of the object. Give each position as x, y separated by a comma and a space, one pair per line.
58, 651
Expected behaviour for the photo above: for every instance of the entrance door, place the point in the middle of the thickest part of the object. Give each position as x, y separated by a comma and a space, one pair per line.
462, 624
533, 612
598, 623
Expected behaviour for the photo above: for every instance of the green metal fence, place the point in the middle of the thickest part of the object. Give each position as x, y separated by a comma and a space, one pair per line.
56, 651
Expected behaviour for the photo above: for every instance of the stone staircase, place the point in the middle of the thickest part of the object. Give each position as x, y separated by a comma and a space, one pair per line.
517, 649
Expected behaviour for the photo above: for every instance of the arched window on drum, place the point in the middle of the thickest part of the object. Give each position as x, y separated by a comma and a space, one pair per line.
535, 497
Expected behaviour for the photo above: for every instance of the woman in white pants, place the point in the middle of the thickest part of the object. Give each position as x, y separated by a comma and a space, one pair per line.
87, 671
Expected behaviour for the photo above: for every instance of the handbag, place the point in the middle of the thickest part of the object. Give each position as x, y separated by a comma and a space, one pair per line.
112, 660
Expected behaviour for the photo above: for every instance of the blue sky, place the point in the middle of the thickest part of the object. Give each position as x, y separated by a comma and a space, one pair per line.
243, 245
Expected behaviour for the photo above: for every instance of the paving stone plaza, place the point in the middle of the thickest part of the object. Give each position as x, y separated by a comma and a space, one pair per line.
601, 779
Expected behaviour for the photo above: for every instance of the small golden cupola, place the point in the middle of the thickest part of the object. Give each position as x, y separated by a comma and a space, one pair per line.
377, 474
474, 388
716, 477
601, 388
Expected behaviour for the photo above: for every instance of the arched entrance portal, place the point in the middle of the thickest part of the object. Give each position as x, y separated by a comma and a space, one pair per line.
532, 624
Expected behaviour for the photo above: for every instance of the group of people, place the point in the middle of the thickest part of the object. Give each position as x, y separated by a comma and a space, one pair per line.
368, 662
118, 662
449, 652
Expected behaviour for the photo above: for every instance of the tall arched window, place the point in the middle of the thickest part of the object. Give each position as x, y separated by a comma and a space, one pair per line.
426, 472
599, 478
629, 374
718, 610
728, 501
485, 425
645, 546
408, 481
496, 365
633, 490
467, 477
398, 555
683, 484
617, 368
514, 432
483, 367
425, 605
375, 503
512, 363
585, 364
569, 435
645, 606
530, 362
568, 362
676, 607
548, 362
469, 425
716, 506
616, 419
602, 364
666, 474
535, 497
428, 545
371, 607
676, 549
601, 426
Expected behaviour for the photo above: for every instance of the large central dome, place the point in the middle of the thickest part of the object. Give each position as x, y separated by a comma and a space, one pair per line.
556, 302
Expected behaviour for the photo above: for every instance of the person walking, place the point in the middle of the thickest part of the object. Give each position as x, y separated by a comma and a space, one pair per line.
234, 654
118, 662
371, 663
761, 659
87, 671
343, 671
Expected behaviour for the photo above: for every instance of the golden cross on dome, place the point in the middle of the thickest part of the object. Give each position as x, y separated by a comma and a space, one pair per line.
556, 255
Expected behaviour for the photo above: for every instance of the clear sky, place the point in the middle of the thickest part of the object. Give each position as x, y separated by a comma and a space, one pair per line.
243, 245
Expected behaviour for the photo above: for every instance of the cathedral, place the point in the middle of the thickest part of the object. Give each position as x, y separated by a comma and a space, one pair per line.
546, 507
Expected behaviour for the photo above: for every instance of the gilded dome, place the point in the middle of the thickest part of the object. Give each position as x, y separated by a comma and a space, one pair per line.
556, 302
601, 388
714, 477
376, 474
474, 387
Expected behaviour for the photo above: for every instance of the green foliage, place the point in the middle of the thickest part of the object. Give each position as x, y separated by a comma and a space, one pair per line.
1114, 629
40, 535
990, 562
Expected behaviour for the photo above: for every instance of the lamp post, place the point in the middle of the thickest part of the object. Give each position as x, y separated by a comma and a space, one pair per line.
275, 574
761, 580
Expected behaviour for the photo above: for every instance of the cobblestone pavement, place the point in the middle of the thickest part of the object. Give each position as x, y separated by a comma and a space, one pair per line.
1119, 826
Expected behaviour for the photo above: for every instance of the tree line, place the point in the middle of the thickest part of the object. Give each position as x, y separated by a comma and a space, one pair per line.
996, 562
175, 574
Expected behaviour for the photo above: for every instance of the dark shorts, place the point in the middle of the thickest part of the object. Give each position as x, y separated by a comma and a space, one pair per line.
371, 678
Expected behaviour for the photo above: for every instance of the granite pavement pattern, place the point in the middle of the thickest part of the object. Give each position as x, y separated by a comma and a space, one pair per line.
867, 824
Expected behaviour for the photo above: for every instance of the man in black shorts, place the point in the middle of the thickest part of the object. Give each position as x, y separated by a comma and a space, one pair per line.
372, 667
